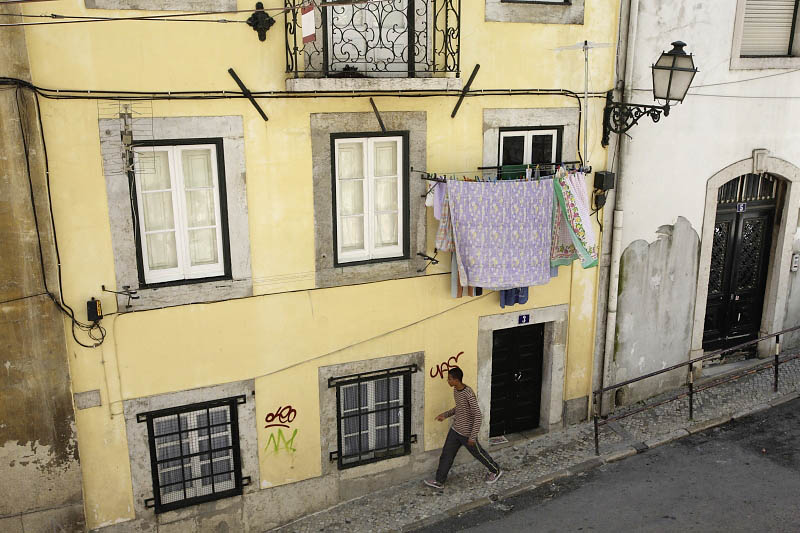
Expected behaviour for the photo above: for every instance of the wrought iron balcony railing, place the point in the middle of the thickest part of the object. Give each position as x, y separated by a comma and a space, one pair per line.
389, 38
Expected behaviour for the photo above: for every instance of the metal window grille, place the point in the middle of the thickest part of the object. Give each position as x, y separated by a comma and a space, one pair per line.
194, 453
373, 416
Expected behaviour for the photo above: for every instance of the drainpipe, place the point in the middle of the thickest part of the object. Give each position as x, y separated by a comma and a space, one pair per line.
628, 39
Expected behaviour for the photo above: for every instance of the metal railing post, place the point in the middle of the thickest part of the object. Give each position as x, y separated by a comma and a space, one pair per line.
691, 391
596, 437
777, 360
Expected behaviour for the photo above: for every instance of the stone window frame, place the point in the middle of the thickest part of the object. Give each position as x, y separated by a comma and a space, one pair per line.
231, 130
495, 119
139, 446
329, 432
535, 11
323, 127
403, 207
162, 5
760, 63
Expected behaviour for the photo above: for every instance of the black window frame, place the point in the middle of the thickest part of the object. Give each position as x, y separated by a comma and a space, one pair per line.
223, 211
239, 481
406, 208
392, 451
559, 141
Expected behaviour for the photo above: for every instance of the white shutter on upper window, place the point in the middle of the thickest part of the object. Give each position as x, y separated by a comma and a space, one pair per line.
767, 27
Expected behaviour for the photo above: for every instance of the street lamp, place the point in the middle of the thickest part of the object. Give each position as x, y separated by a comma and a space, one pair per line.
672, 76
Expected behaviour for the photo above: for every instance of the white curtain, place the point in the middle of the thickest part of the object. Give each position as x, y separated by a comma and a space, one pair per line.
385, 194
201, 220
350, 170
157, 210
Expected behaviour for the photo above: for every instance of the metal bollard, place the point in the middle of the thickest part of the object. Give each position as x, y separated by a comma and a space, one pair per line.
596, 437
777, 360
691, 392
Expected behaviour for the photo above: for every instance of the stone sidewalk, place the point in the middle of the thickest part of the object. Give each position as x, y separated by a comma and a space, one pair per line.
531, 463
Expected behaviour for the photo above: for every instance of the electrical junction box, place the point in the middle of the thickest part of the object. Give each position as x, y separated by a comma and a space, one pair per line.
94, 312
604, 180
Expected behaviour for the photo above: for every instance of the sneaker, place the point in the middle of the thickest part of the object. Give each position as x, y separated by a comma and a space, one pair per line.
433, 483
491, 477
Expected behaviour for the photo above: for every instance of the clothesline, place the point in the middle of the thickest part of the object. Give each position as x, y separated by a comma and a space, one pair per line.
547, 168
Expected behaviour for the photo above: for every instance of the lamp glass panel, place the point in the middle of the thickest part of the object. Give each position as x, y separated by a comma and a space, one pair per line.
661, 76
681, 79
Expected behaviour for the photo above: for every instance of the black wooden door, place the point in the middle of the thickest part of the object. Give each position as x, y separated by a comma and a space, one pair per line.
738, 274
517, 356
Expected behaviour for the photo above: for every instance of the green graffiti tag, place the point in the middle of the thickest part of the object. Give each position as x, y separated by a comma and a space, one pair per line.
279, 442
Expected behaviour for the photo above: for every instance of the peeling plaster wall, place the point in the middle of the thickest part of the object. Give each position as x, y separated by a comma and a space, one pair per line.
39, 465
656, 303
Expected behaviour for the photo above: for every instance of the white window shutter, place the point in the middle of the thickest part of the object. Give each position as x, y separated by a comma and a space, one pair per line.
767, 27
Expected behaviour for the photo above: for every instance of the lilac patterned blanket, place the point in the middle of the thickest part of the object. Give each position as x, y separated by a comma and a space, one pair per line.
502, 232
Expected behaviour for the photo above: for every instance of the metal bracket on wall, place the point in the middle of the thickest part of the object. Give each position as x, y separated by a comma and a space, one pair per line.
377, 114
260, 21
465, 90
247, 93
429, 259
126, 291
149, 503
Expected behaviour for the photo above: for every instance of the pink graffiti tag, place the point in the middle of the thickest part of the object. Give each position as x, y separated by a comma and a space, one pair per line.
283, 415
442, 368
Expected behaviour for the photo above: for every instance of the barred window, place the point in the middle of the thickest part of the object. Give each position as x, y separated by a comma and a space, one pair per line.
194, 453
373, 416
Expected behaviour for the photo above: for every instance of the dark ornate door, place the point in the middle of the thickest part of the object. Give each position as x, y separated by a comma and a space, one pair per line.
517, 357
739, 260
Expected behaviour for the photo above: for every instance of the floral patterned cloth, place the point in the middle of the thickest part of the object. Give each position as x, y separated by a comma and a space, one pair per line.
444, 236
573, 233
502, 232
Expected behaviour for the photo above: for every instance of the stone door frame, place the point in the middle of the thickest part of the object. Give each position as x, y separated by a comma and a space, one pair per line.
777, 288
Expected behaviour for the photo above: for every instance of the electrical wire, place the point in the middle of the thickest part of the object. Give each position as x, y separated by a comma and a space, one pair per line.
164, 18
63, 307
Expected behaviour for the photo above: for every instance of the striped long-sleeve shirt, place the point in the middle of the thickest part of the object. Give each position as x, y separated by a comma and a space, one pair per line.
468, 418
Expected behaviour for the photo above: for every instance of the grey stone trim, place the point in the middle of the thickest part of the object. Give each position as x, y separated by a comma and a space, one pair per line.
231, 130
161, 5
139, 449
576, 410
540, 13
494, 119
329, 440
322, 126
85, 400
372, 84
555, 320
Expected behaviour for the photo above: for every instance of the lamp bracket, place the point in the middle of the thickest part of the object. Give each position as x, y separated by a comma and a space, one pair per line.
620, 117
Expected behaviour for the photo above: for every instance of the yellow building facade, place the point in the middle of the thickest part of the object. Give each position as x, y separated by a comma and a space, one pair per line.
278, 335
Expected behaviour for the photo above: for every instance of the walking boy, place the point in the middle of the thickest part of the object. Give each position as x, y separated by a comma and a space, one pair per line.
463, 432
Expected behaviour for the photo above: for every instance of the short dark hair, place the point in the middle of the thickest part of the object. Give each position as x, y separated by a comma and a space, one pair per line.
456, 373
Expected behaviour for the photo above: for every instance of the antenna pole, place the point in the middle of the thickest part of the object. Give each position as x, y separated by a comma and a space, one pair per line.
585, 102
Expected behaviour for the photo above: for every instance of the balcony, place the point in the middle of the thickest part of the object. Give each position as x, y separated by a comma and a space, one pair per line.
389, 45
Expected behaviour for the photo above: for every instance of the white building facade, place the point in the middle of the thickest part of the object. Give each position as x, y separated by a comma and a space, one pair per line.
705, 211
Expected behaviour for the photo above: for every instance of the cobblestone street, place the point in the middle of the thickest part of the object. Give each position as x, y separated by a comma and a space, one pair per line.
530, 463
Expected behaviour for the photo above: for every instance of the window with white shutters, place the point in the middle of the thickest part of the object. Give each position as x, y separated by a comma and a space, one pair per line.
768, 28
180, 212
370, 198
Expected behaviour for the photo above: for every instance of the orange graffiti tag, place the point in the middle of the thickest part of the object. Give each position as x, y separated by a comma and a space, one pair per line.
442, 368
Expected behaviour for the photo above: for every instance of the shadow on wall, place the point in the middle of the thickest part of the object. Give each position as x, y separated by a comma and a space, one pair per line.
657, 287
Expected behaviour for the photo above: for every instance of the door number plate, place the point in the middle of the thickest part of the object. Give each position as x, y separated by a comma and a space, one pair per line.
741, 207
524, 319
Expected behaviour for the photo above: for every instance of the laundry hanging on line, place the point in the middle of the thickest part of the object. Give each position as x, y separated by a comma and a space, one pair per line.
501, 232
573, 235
